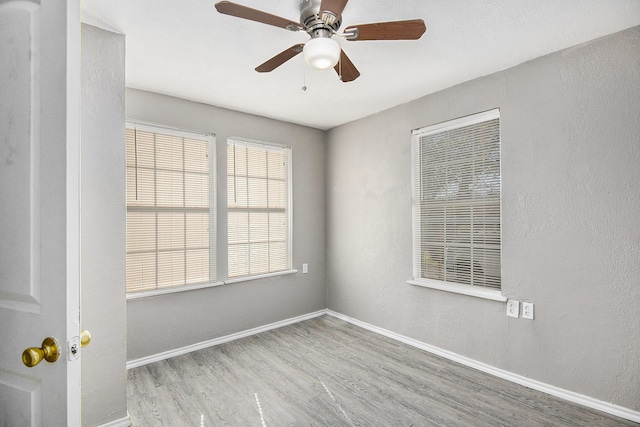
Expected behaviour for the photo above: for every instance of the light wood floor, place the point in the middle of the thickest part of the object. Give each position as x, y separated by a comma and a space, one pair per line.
326, 372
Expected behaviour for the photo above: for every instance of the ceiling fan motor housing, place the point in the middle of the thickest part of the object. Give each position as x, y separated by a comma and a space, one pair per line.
312, 21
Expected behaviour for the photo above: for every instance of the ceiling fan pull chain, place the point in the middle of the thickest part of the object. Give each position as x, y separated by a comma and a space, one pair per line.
304, 79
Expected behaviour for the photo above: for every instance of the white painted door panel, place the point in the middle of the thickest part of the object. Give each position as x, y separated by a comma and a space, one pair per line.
39, 191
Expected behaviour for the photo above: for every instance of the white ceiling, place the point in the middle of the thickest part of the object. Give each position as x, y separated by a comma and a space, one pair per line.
188, 50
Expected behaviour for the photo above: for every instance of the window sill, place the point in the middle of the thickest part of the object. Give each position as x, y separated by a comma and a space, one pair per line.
259, 276
144, 294
155, 292
474, 291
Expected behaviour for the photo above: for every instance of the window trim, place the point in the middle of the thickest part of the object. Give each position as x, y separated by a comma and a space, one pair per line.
470, 290
213, 215
289, 154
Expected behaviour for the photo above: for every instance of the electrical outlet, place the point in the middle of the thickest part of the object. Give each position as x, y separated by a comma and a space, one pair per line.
527, 310
513, 308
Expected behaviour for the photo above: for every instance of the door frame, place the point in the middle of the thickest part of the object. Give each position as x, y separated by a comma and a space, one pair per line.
73, 189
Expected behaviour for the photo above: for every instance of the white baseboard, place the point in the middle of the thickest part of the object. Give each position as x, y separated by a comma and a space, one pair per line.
216, 341
589, 402
122, 422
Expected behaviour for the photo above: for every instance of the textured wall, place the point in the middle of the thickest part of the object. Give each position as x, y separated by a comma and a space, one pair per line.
571, 221
103, 311
167, 322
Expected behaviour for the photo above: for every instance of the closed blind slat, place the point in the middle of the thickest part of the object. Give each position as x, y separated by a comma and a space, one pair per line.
168, 211
457, 198
258, 206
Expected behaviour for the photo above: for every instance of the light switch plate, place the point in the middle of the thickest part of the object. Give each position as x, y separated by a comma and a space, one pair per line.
513, 308
305, 268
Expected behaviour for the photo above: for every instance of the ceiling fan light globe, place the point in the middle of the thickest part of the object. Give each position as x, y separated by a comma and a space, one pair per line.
321, 53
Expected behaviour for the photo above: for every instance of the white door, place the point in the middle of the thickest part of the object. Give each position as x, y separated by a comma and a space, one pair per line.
39, 209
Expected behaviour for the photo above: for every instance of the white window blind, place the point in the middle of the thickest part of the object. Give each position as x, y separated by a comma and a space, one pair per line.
259, 197
168, 208
457, 193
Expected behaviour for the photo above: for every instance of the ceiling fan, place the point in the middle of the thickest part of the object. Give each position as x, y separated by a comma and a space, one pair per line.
321, 19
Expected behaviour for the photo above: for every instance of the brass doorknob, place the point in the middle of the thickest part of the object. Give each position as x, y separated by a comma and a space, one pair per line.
50, 351
85, 338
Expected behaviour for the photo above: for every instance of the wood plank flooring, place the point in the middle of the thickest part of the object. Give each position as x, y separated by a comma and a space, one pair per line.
327, 372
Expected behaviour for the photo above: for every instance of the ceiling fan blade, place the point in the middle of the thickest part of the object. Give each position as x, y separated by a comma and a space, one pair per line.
345, 69
330, 10
411, 29
239, 11
280, 59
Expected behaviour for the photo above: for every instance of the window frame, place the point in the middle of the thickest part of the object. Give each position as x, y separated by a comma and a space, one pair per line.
213, 233
417, 134
287, 149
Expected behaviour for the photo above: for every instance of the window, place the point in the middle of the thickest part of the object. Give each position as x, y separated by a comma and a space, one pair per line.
456, 196
168, 209
258, 206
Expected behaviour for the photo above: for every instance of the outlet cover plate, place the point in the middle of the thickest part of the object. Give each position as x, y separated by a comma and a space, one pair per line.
527, 310
513, 308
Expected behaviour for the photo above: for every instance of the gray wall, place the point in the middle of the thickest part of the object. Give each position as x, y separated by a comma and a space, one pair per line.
571, 221
103, 308
167, 322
